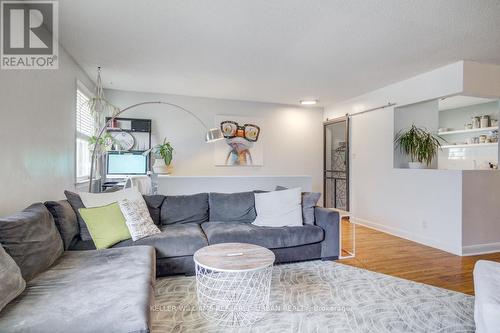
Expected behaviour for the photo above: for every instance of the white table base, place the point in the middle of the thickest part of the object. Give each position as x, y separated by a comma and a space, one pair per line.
233, 298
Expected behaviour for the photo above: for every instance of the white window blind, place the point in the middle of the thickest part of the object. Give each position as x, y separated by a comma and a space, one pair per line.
84, 130
84, 121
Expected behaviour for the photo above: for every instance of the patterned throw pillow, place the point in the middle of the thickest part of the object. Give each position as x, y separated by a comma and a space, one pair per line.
139, 222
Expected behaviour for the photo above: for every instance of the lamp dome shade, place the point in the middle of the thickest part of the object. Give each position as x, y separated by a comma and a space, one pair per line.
213, 134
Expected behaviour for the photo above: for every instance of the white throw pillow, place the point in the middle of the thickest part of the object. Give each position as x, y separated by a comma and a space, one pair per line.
91, 200
137, 218
279, 208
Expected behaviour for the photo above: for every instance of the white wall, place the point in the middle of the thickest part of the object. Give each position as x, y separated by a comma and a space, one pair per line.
420, 205
37, 131
440, 208
182, 185
292, 136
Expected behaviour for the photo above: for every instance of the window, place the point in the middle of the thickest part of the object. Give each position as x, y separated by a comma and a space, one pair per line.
84, 130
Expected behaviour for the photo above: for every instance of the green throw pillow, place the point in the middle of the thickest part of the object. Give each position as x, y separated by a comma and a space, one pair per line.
106, 225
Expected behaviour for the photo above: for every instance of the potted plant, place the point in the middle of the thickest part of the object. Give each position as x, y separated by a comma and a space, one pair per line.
104, 143
419, 144
165, 153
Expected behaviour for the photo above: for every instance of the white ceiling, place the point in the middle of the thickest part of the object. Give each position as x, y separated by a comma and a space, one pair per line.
274, 50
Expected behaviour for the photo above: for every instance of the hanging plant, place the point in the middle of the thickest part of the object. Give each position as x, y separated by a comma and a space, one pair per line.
99, 106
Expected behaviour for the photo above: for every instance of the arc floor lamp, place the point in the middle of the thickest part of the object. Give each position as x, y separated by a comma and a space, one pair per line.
212, 134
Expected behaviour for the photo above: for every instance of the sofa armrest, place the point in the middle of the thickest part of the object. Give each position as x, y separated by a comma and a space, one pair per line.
328, 220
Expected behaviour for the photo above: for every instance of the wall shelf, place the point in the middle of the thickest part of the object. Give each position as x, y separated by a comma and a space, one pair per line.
472, 145
466, 131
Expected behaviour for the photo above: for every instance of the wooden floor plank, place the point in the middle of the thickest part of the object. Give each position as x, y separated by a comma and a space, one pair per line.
384, 253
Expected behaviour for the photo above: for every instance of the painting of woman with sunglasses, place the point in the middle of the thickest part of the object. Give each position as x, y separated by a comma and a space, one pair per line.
240, 139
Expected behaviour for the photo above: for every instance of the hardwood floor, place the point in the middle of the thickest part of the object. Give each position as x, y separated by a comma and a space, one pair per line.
384, 253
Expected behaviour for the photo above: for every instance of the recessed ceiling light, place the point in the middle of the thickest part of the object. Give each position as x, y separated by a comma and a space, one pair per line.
309, 101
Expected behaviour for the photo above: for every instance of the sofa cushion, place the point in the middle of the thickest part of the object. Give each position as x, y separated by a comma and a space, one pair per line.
138, 220
87, 291
269, 237
11, 280
279, 208
106, 224
76, 203
309, 201
232, 207
154, 203
175, 240
81, 245
65, 219
31, 239
185, 209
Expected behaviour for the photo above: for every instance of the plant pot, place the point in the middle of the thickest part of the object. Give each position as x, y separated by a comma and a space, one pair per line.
416, 165
160, 167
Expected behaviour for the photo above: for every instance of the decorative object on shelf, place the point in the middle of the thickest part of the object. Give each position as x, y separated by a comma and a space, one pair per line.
212, 134
485, 121
242, 145
476, 122
165, 152
419, 144
123, 140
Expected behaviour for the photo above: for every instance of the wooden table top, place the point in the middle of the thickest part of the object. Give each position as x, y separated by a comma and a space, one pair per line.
234, 257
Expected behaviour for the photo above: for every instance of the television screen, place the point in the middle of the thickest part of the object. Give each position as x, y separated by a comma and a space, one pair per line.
127, 164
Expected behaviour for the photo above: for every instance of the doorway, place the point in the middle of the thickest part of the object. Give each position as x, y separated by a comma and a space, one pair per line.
336, 163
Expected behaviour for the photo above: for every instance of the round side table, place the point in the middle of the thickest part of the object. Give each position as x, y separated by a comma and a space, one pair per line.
233, 281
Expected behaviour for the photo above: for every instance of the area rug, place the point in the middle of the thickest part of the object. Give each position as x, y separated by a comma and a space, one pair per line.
318, 296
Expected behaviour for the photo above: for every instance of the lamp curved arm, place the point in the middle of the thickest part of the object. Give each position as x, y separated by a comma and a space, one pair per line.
110, 120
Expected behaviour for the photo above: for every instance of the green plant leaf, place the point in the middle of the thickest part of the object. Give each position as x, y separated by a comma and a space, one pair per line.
418, 143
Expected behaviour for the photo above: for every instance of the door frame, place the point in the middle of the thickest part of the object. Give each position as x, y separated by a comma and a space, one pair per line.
347, 166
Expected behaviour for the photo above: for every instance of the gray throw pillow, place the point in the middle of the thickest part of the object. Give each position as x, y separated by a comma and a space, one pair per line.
185, 209
154, 203
11, 281
232, 207
31, 239
76, 203
65, 219
309, 201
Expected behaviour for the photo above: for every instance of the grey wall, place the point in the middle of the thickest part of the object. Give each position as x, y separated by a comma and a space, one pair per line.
292, 136
37, 132
481, 211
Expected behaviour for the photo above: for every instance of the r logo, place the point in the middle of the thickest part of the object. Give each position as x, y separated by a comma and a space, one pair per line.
29, 28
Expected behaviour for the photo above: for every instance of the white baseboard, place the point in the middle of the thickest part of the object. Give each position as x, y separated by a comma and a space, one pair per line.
409, 236
471, 250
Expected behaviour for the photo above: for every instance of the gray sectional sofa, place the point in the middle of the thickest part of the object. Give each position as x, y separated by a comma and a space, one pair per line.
72, 288
190, 222
73, 291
